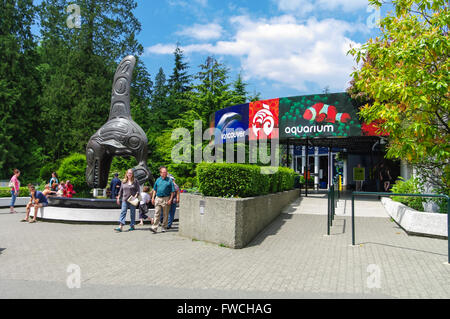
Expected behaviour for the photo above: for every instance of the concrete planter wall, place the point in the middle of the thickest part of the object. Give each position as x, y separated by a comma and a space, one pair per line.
415, 222
20, 201
233, 222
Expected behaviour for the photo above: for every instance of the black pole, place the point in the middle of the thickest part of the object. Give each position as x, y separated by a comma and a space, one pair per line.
307, 168
287, 155
328, 213
330, 170
353, 220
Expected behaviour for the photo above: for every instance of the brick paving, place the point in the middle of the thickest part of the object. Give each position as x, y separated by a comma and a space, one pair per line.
291, 258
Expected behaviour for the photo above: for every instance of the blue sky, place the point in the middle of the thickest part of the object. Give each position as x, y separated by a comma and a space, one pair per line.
282, 47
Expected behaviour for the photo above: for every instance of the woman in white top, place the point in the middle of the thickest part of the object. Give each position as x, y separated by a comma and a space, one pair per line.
143, 205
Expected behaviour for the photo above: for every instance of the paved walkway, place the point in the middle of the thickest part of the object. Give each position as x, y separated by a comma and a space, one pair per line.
290, 259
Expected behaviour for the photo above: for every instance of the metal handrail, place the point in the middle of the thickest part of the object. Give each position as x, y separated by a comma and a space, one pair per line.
333, 197
400, 194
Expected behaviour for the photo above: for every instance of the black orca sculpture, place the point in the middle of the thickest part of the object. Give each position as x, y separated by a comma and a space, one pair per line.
119, 136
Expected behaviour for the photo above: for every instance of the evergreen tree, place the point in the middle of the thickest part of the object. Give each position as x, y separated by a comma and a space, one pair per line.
19, 87
159, 103
213, 92
179, 87
239, 90
179, 81
78, 67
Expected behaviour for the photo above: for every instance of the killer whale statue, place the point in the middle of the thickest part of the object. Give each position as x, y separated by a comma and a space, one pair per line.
119, 136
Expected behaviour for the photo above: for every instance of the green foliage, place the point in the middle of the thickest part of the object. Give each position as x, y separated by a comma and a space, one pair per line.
184, 174
77, 66
242, 180
19, 88
45, 173
73, 168
6, 191
410, 186
405, 77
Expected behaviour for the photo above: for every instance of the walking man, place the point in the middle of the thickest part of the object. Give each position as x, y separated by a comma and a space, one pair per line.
162, 196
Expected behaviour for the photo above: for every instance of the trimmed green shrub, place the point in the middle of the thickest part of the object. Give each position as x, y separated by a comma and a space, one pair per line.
73, 168
410, 186
45, 173
242, 180
6, 191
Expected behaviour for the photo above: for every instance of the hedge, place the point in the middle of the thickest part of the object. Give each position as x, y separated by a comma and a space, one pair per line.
6, 191
242, 180
73, 168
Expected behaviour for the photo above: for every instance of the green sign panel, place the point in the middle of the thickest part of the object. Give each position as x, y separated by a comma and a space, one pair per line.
359, 173
322, 115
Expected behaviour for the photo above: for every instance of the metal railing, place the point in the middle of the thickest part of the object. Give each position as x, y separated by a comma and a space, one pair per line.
333, 197
399, 194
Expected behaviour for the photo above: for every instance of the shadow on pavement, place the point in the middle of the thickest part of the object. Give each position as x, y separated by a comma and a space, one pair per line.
400, 247
271, 229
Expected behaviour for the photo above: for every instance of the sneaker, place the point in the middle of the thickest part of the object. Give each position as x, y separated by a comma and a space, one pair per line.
131, 228
152, 230
163, 230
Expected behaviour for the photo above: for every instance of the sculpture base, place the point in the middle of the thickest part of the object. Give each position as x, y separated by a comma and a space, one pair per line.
93, 203
86, 215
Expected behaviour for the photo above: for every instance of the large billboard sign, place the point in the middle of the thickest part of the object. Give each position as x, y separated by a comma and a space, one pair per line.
326, 115
263, 119
232, 122
312, 116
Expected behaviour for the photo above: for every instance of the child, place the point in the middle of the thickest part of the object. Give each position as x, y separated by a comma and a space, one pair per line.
69, 189
61, 190
143, 208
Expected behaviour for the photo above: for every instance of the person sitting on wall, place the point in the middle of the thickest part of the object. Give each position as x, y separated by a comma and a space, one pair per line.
54, 182
61, 190
37, 200
69, 189
48, 192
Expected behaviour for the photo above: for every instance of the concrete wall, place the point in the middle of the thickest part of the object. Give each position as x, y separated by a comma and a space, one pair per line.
233, 222
63, 214
414, 222
20, 201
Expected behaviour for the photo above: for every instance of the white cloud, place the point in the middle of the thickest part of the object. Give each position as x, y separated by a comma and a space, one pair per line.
286, 52
183, 3
302, 7
203, 31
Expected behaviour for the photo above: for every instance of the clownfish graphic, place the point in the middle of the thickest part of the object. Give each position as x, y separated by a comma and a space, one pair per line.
320, 112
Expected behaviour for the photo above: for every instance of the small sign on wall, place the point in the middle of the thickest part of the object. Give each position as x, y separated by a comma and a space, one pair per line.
202, 207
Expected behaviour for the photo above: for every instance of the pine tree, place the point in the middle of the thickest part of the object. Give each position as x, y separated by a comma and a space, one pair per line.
159, 103
213, 93
239, 90
179, 87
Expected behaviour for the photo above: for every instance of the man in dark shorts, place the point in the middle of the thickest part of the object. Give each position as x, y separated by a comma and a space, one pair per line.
37, 200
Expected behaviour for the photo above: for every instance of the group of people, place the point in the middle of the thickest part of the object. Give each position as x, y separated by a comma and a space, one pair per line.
38, 199
164, 197
59, 189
